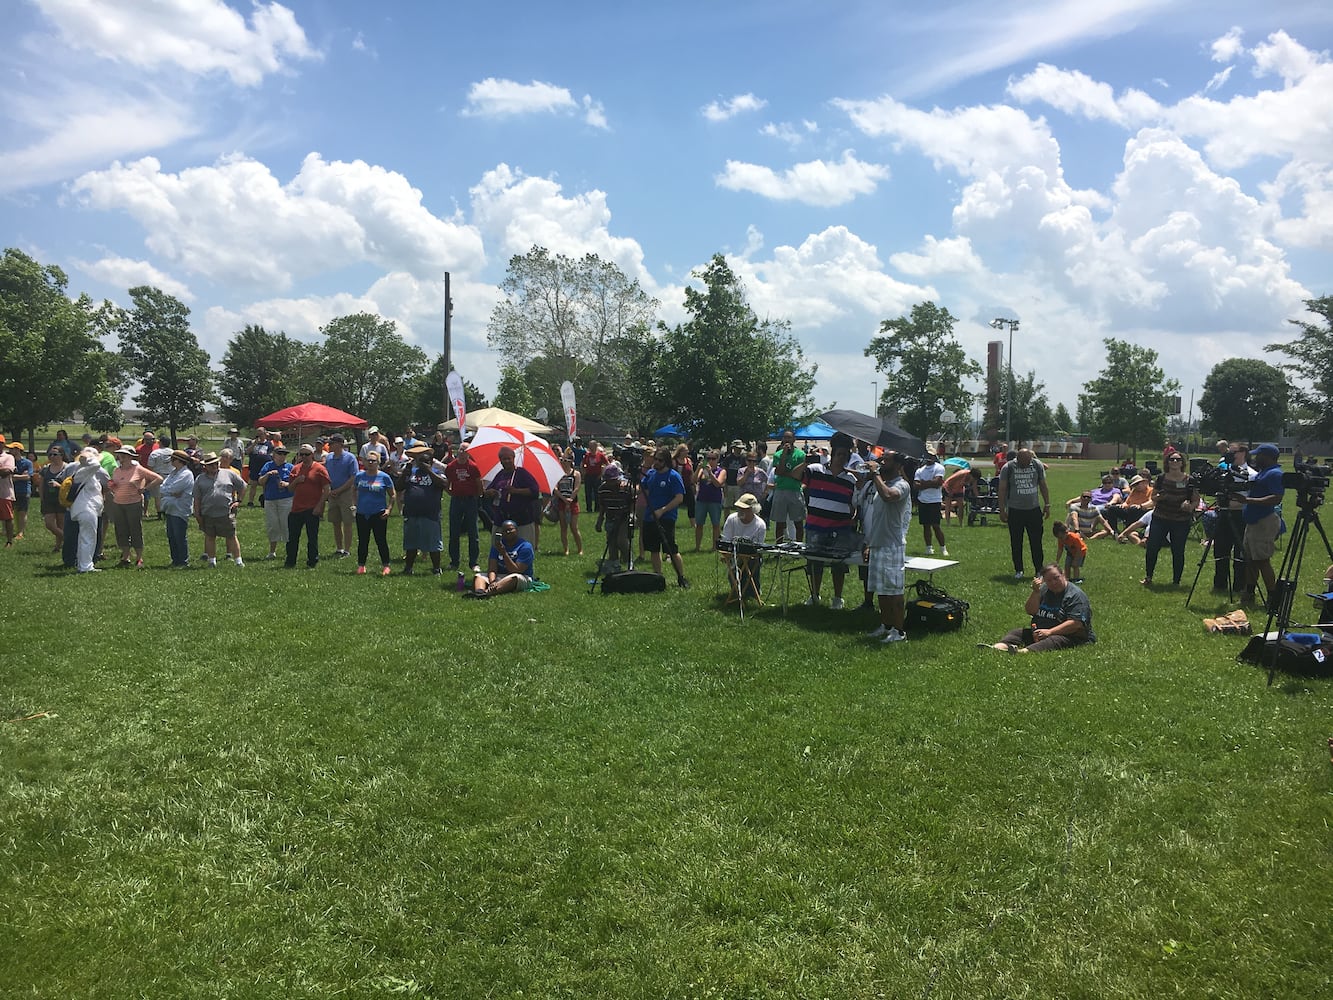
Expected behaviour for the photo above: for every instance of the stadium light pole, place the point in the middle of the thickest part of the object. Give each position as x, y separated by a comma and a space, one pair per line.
999, 324
874, 408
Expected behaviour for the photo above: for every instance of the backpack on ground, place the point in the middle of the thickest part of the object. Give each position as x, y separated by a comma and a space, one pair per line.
933, 610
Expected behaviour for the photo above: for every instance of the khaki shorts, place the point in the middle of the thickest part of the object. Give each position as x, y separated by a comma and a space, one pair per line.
341, 508
220, 527
1261, 538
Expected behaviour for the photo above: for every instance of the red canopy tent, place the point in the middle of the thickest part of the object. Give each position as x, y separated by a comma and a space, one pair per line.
310, 415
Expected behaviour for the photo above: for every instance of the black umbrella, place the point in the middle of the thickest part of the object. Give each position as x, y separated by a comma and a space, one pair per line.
883, 433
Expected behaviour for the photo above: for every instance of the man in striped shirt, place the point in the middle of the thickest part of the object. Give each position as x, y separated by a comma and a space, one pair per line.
829, 516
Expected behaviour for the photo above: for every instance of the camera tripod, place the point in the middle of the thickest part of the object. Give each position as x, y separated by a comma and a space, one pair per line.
612, 525
1284, 586
1234, 571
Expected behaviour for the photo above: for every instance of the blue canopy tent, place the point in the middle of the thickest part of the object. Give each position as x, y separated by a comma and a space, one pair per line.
818, 430
668, 430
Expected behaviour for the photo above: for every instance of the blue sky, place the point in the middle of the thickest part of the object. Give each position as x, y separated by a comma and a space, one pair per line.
1158, 172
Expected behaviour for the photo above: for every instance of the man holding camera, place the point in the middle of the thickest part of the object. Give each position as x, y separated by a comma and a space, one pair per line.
1261, 512
1229, 527
886, 544
788, 504
422, 486
509, 568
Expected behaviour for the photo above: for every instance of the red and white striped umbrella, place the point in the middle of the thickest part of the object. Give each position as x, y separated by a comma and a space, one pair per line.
530, 453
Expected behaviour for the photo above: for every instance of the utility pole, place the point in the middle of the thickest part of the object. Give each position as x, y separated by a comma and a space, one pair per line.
1000, 323
445, 407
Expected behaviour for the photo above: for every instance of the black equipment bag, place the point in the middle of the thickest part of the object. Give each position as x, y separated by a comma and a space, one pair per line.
633, 581
1300, 659
933, 610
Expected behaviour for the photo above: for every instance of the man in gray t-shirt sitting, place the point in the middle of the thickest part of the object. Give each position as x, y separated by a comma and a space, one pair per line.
1061, 616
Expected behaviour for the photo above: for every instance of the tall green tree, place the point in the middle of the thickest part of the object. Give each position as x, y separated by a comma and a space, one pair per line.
1127, 401
512, 393
432, 407
1245, 399
365, 367
164, 357
51, 360
1063, 421
1310, 362
103, 414
1032, 418
577, 320
260, 374
924, 367
1083, 421
725, 373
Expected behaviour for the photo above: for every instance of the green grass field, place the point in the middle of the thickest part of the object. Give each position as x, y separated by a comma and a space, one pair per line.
267, 783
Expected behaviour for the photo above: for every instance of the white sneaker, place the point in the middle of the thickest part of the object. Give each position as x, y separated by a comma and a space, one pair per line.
930, 550
1020, 575
893, 635
811, 602
837, 604
212, 564
879, 633
241, 563
944, 552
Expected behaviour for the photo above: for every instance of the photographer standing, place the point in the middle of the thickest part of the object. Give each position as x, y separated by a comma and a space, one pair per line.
1263, 516
1229, 529
788, 503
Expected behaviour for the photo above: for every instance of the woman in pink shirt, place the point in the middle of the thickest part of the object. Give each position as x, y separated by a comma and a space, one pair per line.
128, 483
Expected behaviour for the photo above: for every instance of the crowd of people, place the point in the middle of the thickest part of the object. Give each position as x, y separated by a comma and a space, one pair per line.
840, 501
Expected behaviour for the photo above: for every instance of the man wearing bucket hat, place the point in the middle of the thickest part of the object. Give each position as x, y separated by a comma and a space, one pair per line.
217, 496
746, 527
177, 495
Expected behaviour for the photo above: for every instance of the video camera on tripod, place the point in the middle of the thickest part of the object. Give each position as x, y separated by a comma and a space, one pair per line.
1310, 482
630, 457
1211, 481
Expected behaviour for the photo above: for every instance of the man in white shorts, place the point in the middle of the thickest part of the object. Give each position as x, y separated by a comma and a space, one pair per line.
886, 544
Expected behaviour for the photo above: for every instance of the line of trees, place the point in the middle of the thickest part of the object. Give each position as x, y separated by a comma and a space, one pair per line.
724, 372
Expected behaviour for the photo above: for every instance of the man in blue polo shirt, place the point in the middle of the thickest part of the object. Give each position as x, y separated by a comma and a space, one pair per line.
665, 491
1262, 516
342, 467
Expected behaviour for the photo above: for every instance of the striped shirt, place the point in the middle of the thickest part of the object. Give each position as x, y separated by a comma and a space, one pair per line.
828, 498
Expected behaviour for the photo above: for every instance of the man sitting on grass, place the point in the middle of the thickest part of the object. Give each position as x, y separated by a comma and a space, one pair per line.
1061, 616
509, 569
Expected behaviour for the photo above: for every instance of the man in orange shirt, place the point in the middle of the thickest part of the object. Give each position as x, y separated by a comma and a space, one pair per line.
309, 484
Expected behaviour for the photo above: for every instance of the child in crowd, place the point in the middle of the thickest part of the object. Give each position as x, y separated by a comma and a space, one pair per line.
1075, 549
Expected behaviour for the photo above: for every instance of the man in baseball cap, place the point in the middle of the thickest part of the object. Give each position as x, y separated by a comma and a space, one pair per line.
1262, 516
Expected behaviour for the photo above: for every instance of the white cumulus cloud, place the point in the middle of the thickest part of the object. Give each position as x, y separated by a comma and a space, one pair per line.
496, 98
1229, 46
236, 222
818, 182
720, 111
1074, 92
516, 212
198, 36
123, 272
